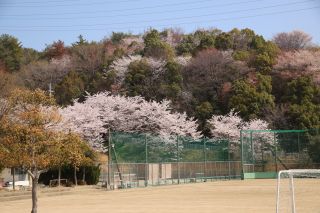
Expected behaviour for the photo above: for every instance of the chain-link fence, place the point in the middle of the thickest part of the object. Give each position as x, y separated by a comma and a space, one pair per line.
265, 152
138, 160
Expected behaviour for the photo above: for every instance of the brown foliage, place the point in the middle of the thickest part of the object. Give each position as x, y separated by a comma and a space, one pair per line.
56, 50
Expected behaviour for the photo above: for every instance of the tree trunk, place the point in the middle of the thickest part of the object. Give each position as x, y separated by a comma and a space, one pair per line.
84, 174
75, 176
13, 179
59, 176
35, 193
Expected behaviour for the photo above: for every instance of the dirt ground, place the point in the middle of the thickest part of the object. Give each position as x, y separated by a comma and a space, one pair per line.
250, 196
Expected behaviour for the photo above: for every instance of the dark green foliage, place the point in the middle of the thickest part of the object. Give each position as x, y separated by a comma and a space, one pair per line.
263, 63
265, 54
242, 39
303, 97
99, 81
137, 80
171, 86
71, 87
223, 41
252, 101
306, 116
92, 174
80, 42
302, 90
204, 110
314, 148
10, 52
155, 47
29, 55
187, 46
153, 36
160, 50
207, 41
241, 55
117, 37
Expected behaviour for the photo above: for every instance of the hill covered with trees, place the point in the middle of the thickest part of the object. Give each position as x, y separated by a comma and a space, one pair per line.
204, 73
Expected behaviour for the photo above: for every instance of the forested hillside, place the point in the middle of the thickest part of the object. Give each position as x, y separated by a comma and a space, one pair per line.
202, 73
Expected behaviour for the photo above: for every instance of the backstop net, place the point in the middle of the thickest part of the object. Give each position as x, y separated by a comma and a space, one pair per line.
265, 152
138, 160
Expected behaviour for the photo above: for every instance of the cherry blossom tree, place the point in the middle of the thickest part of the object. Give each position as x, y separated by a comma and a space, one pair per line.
103, 111
183, 60
302, 60
229, 127
226, 126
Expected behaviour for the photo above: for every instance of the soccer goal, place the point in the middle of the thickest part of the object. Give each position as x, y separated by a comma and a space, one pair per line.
292, 176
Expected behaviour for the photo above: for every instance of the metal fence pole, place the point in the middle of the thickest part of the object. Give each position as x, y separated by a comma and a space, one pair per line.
178, 159
229, 169
109, 159
146, 162
275, 151
205, 160
242, 161
252, 149
299, 146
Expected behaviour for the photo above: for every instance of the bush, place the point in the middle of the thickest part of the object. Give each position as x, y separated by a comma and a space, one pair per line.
314, 148
92, 174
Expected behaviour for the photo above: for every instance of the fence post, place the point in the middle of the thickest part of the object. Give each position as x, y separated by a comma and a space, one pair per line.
252, 150
275, 151
299, 146
205, 160
229, 169
146, 163
242, 162
178, 159
109, 159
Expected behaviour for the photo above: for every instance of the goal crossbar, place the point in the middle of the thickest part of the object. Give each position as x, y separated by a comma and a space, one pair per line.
291, 173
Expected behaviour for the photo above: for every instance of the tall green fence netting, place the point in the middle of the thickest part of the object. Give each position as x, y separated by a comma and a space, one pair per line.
138, 160
265, 152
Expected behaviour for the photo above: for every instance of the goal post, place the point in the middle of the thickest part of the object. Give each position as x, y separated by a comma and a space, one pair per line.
291, 174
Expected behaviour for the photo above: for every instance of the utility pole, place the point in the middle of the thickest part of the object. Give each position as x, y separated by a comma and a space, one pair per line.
50, 90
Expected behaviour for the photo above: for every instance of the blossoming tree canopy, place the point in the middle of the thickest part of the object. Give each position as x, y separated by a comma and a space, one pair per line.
102, 111
226, 126
229, 127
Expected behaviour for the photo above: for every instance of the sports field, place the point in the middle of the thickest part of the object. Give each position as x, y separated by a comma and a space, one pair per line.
256, 196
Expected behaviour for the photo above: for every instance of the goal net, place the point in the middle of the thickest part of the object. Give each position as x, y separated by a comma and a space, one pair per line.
298, 190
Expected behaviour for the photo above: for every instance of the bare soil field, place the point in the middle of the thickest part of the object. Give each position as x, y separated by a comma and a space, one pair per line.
250, 196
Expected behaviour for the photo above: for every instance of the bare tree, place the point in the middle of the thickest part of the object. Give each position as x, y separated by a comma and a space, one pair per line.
88, 58
292, 40
210, 69
41, 73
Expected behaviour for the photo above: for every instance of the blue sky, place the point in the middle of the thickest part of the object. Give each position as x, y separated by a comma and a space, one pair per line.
39, 22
